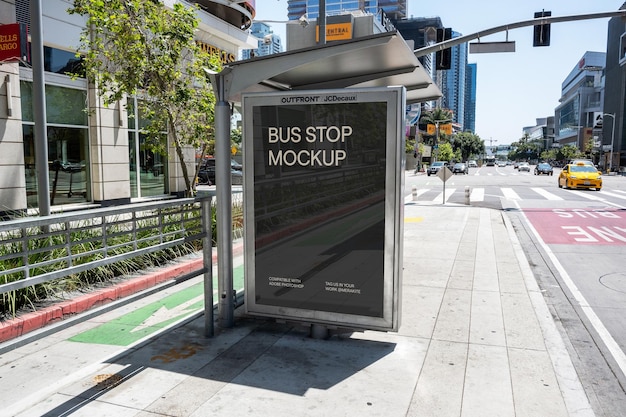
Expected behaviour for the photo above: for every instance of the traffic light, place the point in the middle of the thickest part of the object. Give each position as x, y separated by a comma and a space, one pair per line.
443, 58
541, 33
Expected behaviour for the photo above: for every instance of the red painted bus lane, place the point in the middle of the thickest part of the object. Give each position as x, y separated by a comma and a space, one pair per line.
580, 226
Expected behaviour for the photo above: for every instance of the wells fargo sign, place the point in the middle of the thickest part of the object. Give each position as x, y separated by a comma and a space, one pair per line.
225, 56
13, 42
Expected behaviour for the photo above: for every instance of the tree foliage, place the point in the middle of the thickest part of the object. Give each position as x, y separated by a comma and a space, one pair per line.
145, 49
468, 144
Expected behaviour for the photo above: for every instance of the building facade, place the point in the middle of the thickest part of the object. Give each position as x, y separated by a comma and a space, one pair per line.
395, 9
95, 154
581, 102
469, 117
613, 136
268, 42
452, 83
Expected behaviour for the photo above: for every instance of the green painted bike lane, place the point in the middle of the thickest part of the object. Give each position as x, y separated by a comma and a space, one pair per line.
144, 321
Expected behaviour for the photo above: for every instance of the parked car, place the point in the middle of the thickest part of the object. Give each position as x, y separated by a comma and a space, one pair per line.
434, 168
206, 175
544, 168
581, 161
523, 166
472, 164
460, 167
580, 175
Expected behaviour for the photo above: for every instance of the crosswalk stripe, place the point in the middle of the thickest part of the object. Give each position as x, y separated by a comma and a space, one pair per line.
510, 194
623, 197
548, 195
449, 192
477, 194
419, 192
586, 195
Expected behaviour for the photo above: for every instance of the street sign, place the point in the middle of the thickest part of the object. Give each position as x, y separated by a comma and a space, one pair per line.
445, 174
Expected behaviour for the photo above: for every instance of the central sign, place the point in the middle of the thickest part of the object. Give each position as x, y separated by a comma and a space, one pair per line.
323, 214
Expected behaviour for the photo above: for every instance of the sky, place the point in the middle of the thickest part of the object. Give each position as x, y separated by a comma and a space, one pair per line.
513, 89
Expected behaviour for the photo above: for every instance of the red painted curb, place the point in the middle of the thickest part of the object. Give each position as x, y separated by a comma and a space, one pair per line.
10, 329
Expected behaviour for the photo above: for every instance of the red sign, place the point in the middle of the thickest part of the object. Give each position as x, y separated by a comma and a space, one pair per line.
580, 226
13, 42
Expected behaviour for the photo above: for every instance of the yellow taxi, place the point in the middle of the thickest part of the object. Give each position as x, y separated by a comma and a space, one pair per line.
580, 175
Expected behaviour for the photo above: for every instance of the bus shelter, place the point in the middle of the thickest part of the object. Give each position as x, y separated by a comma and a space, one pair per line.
381, 60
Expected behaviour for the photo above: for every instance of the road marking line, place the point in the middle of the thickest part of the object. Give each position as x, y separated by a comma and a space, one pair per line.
623, 197
510, 194
548, 195
477, 194
602, 331
586, 195
419, 192
449, 192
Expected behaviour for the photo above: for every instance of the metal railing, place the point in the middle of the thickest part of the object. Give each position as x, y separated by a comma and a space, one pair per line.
35, 250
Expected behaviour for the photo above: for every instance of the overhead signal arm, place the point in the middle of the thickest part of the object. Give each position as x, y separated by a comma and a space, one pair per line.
545, 20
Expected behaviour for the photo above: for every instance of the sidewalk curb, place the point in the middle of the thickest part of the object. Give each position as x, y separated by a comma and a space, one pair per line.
19, 326
574, 395
29, 322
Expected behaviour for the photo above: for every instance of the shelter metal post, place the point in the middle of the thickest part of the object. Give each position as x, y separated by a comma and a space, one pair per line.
207, 260
39, 109
224, 215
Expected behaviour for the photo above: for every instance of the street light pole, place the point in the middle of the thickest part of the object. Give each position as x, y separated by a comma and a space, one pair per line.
612, 139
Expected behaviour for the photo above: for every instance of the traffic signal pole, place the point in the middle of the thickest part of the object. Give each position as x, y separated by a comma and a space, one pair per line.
516, 25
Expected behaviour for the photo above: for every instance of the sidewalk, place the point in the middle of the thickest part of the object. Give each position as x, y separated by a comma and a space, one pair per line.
476, 339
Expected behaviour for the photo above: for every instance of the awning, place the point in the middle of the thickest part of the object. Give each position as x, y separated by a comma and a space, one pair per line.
378, 60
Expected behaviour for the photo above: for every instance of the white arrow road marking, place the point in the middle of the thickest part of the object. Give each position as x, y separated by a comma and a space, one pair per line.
163, 314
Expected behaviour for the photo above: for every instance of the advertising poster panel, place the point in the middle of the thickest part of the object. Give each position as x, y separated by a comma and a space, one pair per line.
323, 205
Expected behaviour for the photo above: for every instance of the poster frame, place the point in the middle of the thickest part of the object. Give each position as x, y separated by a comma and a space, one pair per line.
394, 162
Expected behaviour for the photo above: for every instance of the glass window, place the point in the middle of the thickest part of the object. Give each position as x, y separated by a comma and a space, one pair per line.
68, 144
63, 105
148, 170
62, 62
68, 170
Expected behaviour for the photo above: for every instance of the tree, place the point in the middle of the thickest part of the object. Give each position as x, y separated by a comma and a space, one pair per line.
145, 49
437, 116
468, 144
445, 152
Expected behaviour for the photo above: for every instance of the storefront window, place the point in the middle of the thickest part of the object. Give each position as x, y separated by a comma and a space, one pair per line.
148, 170
68, 155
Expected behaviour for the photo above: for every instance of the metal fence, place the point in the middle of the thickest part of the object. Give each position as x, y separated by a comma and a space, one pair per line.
35, 250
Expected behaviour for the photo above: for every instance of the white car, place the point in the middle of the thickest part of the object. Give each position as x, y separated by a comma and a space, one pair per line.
501, 163
523, 166
472, 164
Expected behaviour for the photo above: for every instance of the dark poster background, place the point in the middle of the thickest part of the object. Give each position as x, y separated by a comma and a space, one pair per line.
319, 206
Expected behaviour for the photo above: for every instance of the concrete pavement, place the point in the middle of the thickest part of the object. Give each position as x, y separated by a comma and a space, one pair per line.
476, 339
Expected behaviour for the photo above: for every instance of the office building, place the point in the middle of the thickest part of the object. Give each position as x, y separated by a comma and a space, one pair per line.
613, 150
96, 155
469, 116
395, 9
581, 102
452, 84
269, 43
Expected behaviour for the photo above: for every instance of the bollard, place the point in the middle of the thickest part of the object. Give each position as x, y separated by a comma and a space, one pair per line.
467, 195
414, 193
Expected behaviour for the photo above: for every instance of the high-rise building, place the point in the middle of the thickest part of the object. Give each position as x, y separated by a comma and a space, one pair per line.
469, 118
269, 43
395, 9
452, 83
422, 31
